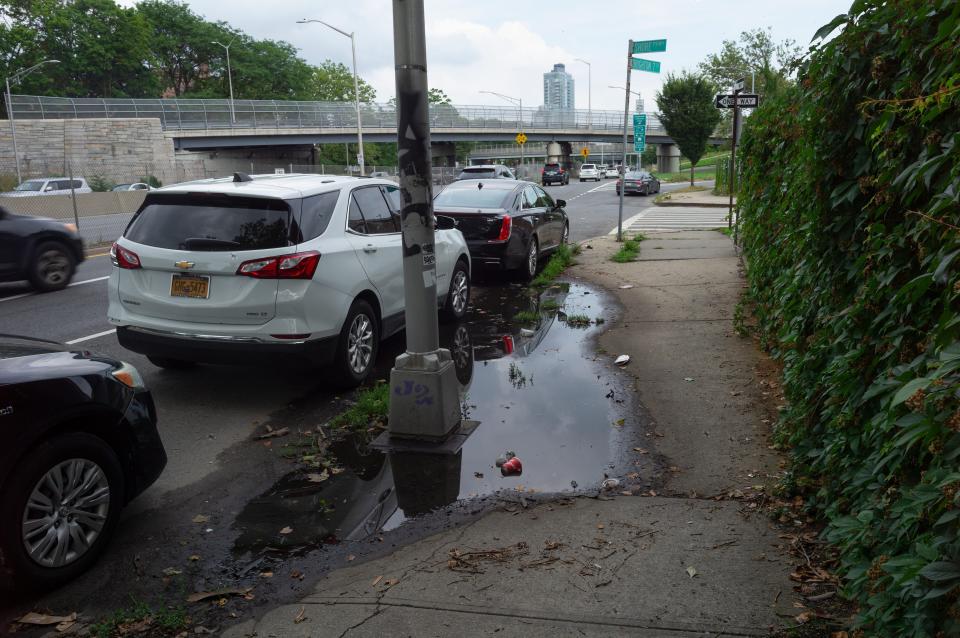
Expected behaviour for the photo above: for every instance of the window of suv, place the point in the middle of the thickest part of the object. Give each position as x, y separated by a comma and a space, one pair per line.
215, 223
480, 172
31, 185
315, 214
589, 167
551, 167
369, 203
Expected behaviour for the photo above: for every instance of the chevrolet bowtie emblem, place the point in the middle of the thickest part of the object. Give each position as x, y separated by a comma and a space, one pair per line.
185, 265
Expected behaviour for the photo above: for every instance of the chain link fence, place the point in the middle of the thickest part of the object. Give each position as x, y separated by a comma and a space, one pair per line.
100, 198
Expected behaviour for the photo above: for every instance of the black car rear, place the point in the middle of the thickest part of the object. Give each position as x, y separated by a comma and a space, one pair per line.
78, 440
43, 251
554, 174
508, 225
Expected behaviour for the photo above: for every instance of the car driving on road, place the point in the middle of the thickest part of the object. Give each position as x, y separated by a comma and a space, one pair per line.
508, 225
638, 182
50, 186
554, 174
79, 441
589, 171
43, 251
272, 267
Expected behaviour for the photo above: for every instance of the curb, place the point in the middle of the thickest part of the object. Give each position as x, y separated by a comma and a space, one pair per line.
693, 204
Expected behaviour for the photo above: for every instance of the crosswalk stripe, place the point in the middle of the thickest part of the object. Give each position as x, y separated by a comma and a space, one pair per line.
677, 217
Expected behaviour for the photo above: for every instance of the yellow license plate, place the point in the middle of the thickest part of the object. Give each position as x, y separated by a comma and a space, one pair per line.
193, 286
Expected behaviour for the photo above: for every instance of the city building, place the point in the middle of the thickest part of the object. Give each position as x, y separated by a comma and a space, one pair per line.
558, 89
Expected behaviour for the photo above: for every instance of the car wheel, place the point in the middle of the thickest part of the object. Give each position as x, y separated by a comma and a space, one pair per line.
59, 509
565, 237
52, 267
168, 363
529, 269
359, 343
458, 297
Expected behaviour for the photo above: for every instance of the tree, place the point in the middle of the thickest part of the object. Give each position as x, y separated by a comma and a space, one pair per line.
687, 112
755, 53
333, 82
182, 44
437, 96
268, 70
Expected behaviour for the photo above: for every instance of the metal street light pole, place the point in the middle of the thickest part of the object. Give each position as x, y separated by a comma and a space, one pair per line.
519, 102
423, 383
356, 86
589, 91
16, 77
623, 88
233, 113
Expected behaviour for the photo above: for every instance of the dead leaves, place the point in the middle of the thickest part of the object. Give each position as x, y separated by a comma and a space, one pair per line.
470, 562
286, 530
63, 623
199, 596
201, 518
301, 616
272, 434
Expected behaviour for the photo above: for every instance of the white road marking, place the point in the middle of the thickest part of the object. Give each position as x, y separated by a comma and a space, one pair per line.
595, 188
93, 336
676, 218
76, 283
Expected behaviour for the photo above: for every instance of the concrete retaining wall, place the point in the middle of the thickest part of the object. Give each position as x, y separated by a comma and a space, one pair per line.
88, 204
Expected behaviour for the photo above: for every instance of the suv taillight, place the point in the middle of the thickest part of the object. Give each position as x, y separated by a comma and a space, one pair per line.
506, 227
123, 258
295, 266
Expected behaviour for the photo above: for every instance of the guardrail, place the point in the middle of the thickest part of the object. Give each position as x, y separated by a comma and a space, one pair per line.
188, 115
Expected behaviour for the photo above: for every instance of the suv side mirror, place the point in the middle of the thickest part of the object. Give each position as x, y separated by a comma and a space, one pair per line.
49, 187
442, 222
560, 203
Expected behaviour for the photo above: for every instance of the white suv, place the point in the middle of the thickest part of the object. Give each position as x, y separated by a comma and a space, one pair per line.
50, 186
278, 266
589, 171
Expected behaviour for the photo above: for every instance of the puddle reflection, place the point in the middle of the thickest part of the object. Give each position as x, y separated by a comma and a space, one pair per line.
534, 390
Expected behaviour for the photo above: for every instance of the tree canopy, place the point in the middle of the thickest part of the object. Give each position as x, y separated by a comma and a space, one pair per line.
333, 82
687, 112
770, 63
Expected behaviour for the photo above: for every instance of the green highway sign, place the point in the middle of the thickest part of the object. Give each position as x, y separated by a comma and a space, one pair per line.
639, 64
649, 46
639, 132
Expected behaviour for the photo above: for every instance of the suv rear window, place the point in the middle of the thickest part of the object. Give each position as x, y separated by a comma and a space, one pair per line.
551, 167
214, 223
591, 167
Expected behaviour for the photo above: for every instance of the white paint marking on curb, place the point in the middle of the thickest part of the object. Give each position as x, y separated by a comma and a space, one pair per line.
93, 336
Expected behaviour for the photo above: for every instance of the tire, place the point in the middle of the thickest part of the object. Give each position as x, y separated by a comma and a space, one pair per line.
565, 237
581, 181
52, 266
458, 296
33, 565
168, 363
532, 261
358, 346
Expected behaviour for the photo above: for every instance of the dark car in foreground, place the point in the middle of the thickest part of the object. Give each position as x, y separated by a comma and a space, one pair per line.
78, 441
638, 182
508, 225
554, 174
43, 251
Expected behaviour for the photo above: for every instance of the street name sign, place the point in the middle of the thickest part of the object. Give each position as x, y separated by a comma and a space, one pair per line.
738, 85
639, 64
521, 138
639, 132
649, 46
744, 100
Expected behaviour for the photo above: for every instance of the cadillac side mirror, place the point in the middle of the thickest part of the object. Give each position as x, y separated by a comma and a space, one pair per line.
560, 203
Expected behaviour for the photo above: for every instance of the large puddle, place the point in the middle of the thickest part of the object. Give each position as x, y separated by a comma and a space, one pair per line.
535, 389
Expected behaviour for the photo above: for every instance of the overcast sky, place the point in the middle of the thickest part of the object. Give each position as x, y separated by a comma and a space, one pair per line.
506, 46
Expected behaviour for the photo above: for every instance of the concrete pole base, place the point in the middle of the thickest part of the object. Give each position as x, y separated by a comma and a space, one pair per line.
424, 397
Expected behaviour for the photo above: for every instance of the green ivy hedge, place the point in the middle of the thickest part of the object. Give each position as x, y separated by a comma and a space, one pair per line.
851, 226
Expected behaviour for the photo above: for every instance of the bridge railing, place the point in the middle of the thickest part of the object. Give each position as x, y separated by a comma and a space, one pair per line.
187, 115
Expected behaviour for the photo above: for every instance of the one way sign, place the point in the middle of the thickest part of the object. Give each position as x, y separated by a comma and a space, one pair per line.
744, 100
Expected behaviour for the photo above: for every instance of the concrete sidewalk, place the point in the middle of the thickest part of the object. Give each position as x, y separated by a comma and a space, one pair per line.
689, 558
703, 199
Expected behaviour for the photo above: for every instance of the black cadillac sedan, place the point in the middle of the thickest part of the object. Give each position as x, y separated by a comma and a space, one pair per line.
508, 224
78, 441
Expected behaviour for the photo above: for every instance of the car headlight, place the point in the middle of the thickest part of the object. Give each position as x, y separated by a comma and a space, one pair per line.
129, 376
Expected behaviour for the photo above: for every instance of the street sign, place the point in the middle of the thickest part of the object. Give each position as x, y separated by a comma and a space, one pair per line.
639, 132
743, 100
639, 64
738, 85
521, 138
585, 152
649, 46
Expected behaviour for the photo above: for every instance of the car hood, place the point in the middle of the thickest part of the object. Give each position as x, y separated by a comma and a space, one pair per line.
24, 359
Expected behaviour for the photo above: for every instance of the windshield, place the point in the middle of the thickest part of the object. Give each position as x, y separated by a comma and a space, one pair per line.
636, 175
32, 185
472, 197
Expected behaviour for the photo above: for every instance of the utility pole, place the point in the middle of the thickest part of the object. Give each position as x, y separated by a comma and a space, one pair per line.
17, 77
233, 113
737, 87
424, 403
623, 163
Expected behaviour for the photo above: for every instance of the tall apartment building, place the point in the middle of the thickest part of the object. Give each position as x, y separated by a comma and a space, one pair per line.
558, 89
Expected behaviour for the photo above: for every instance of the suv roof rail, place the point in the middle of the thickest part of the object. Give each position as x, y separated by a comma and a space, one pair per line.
241, 177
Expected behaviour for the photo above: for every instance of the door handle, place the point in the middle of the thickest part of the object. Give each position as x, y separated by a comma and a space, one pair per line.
369, 248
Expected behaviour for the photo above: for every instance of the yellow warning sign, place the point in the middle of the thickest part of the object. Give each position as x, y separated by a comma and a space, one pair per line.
585, 152
521, 138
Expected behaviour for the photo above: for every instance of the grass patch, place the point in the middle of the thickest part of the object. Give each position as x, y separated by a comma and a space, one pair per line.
165, 619
561, 259
628, 251
578, 321
373, 405
526, 317
549, 305
726, 231
702, 171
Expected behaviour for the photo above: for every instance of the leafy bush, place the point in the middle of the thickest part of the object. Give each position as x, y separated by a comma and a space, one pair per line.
100, 184
850, 220
151, 180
